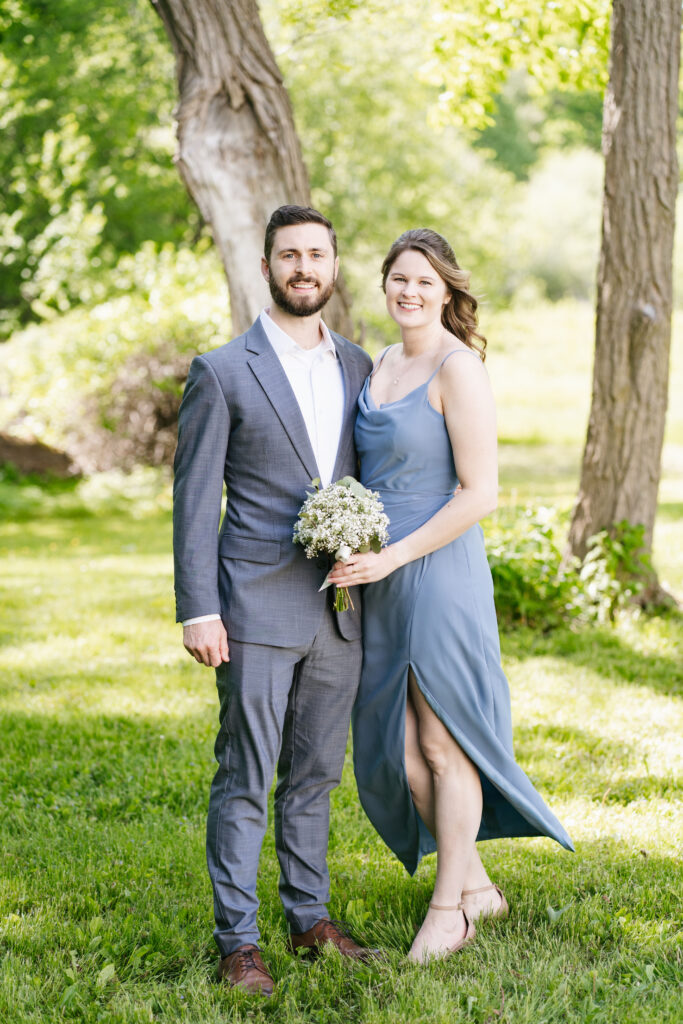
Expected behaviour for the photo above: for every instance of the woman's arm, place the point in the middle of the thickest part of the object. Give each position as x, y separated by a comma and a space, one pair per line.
469, 411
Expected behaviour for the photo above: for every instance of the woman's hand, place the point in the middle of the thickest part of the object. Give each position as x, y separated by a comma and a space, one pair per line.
366, 568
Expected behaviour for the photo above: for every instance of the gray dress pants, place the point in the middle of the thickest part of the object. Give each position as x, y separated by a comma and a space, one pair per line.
290, 708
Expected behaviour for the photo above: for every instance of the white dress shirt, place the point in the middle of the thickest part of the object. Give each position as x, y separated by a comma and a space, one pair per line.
315, 377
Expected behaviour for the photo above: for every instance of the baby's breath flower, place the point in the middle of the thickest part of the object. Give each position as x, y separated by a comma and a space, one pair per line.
341, 519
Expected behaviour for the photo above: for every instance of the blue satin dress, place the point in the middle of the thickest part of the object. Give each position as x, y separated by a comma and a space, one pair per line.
436, 615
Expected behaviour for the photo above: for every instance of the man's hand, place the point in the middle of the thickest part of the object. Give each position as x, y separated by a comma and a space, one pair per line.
207, 642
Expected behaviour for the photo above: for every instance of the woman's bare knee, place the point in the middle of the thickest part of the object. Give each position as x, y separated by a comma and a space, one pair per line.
443, 754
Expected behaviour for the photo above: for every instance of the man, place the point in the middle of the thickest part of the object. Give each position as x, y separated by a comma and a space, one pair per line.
267, 413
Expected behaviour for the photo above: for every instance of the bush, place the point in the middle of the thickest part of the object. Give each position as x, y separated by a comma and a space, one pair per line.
616, 570
104, 384
536, 585
531, 586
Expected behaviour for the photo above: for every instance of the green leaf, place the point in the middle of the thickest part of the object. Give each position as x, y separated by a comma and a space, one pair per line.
357, 488
376, 545
68, 994
555, 915
355, 911
105, 975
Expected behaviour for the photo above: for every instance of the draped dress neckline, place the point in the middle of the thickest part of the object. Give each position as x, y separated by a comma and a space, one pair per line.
425, 383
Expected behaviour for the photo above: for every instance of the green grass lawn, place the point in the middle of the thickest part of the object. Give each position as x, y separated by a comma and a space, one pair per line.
108, 726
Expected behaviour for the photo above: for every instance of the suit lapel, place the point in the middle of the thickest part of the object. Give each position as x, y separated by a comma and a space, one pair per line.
351, 387
267, 369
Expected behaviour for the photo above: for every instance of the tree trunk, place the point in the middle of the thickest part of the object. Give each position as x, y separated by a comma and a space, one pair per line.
621, 462
238, 151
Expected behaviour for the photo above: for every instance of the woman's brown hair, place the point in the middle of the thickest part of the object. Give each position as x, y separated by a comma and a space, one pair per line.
459, 315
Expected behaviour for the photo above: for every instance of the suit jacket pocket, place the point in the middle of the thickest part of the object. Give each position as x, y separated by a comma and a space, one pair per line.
250, 549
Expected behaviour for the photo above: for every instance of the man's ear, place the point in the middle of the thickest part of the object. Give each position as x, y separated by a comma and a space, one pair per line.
336, 267
265, 269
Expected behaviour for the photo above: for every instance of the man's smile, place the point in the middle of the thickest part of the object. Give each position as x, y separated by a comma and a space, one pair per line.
303, 286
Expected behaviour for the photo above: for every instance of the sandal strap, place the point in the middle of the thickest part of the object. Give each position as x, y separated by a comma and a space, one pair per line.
475, 892
436, 906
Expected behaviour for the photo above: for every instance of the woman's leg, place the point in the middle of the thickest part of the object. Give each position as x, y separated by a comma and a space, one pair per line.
456, 815
420, 778
421, 782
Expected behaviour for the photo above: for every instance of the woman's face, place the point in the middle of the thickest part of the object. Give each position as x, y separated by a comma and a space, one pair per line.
415, 293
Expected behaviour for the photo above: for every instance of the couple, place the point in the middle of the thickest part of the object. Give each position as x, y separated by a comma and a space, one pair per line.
283, 403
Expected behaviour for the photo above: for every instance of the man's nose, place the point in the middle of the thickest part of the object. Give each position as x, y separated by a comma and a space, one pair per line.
304, 263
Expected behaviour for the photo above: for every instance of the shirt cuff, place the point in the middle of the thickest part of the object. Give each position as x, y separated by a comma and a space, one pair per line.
201, 618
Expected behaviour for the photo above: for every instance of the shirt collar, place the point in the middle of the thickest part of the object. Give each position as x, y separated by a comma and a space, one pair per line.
283, 343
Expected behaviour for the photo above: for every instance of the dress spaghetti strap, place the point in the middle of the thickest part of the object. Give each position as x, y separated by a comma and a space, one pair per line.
453, 352
379, 361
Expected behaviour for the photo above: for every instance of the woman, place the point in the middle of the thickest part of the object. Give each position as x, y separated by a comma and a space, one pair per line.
432, 730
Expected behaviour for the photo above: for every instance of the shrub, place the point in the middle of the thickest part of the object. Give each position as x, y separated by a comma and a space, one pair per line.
616, 569
531, 586
536, 585
104, 384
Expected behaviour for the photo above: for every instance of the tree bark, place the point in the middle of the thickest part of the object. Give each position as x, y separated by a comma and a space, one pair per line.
238, 151
621, 462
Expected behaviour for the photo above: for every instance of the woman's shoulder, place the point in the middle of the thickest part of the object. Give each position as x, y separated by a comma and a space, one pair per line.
451, 361
462, 368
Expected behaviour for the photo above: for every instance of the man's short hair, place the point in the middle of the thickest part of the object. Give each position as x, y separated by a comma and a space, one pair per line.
286, 215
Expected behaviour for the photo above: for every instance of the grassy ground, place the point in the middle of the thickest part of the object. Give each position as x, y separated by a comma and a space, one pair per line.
107, 726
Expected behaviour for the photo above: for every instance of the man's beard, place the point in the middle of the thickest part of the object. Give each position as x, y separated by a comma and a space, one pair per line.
299, 305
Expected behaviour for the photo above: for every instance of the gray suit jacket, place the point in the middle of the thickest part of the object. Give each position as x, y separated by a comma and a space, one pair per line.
239, 422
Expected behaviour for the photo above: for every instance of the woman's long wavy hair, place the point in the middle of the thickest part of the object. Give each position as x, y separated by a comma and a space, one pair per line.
459, 315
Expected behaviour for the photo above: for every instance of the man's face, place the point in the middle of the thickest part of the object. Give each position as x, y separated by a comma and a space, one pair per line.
302, 268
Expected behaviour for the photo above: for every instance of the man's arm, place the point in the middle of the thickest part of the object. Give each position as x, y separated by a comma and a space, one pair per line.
203, 433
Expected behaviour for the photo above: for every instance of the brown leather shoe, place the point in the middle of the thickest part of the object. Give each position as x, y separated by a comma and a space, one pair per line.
326, 932
245, 969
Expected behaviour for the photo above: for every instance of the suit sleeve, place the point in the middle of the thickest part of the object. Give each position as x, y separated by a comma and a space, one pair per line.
199, 466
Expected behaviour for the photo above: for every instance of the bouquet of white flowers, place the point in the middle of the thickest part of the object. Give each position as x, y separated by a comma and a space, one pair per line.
341, 519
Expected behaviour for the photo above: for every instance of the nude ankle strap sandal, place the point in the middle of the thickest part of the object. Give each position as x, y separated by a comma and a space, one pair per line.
470, 930
500, 912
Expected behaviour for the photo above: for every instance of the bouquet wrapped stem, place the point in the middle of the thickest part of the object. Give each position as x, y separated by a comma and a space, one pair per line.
341, 519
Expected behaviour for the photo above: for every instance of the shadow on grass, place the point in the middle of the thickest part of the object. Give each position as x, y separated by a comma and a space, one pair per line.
603, 652
103, 768
570, 762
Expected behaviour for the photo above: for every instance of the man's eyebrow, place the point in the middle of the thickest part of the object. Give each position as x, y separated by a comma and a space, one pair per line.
313, 248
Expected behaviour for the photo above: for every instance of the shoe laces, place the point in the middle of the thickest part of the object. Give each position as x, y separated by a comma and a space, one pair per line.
246, 959
339, 926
